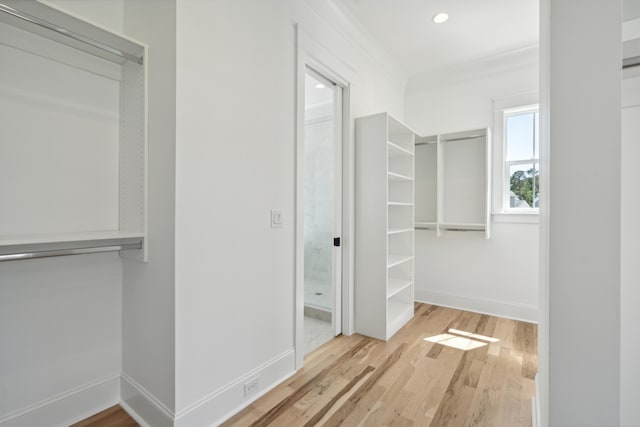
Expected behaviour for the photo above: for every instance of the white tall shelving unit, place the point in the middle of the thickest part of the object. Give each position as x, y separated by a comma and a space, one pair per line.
453, 182
73, 152
384, 225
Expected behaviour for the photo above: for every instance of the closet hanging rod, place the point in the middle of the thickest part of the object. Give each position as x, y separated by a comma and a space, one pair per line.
634, 61
65, 252
464, 138
68, 33
470, 230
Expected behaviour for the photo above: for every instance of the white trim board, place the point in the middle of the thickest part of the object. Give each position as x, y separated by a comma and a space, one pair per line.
348, 28
142, 405
509, 310
68, 407
215, 406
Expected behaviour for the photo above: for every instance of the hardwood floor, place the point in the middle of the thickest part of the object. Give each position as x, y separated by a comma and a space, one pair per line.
407, 381
112, 417
358, 381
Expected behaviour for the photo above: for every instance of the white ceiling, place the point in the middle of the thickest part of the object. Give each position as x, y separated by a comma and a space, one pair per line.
476, 29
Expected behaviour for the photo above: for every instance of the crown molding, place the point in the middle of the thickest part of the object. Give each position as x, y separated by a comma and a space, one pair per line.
502, 62
340, 19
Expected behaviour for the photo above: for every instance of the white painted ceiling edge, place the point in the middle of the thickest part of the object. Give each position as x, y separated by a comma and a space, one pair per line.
522, 56
519, 58
350, 29
475, 30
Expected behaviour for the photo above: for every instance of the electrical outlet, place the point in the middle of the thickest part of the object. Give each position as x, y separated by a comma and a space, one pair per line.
251, 386
276, 219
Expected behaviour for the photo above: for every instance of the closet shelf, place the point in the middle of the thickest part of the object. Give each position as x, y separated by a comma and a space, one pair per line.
99, 204
453, 182
398, 285
397, 177
463, 226
35, 239
399, 230
426, 225
396, 151
394, 260
386, 175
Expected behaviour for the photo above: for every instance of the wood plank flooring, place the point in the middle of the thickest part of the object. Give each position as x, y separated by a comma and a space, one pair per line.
112, 417
359, 381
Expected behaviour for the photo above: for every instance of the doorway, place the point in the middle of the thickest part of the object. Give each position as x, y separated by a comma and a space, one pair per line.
322, 209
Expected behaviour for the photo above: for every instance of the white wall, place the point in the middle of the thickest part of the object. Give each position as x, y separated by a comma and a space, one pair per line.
496, 276
103, 13
148, 355
60, 318
59, 332
235, 162
630, 270
584, 237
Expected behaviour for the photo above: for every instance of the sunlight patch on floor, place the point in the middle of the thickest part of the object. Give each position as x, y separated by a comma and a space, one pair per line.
462, 340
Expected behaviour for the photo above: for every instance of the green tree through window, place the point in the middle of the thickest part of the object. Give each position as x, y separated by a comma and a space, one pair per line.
521, 184
525, 186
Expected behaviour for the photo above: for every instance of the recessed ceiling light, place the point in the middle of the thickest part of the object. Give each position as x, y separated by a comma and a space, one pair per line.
441, 17
319, 86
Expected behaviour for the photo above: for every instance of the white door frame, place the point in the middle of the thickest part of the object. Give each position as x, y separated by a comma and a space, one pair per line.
313, 56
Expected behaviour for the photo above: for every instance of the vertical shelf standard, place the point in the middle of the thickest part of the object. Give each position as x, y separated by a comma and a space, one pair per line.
385, 218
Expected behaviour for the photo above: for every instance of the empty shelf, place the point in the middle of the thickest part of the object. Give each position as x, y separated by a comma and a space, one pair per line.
34, 239
463, 226
397, 177
399, 230
425, 225
390, 203
397, 285
396, 150
394, 260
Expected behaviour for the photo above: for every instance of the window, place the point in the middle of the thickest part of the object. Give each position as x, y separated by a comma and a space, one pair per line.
521, 160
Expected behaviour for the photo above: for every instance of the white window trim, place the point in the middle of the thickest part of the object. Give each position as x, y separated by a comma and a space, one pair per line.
510, 112
500, 210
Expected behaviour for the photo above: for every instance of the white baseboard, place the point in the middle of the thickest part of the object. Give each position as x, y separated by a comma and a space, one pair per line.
69, 407
527, 313
223, 403
535, 409
143, 406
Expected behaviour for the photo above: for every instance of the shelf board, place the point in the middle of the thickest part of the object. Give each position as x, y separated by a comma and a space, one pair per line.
394, 260
462, 226
425, 225
398, 313
399, 230
390, 203
397, 285
396, 151
34, 239
397, 177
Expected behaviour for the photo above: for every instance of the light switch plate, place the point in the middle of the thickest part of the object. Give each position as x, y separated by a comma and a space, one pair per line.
276, 219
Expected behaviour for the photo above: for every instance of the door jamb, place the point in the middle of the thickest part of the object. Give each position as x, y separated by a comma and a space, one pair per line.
305, 58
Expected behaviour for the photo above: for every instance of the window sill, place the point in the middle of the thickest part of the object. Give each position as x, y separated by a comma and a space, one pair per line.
516, 217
